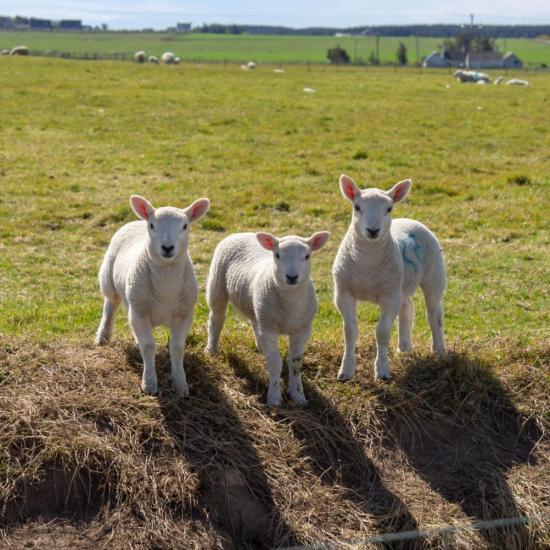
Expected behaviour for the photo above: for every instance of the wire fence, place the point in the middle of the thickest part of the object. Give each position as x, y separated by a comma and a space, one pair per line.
129, 56
444, 531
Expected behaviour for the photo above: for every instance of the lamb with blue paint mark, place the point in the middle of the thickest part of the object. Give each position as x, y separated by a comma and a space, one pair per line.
385, 262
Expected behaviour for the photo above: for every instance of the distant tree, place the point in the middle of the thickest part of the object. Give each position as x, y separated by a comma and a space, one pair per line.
401, 54
104, 27
483, 44
373, 60
466, 40
338, 55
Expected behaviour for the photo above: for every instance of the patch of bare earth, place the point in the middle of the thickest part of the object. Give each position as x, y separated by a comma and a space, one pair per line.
87, 461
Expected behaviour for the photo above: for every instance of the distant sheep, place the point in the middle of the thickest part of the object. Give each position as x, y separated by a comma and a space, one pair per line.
471, 76
268, 281
499, 80
5, 51
147, 266
153, 59
384, 263
177, 61
168, 58
19, 50
251, 65
517, 82
140, 57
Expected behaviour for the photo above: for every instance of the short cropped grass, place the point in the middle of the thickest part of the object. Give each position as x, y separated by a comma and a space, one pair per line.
77, 138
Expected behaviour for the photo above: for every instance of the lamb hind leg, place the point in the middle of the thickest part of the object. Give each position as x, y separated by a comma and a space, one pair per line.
216, 320
434, 311
406, 318
105, 329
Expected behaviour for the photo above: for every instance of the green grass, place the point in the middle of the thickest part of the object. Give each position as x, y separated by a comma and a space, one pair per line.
78, 138
241, 48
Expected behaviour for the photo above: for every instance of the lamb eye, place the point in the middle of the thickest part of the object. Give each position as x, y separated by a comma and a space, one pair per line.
277, 255
151, 226
185, 227
307, 257
357, 208
389, 209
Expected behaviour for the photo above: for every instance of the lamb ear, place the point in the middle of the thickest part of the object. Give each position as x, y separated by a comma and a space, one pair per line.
197, 210
400, 190
318, 240
142, 207
268, 241
349, 188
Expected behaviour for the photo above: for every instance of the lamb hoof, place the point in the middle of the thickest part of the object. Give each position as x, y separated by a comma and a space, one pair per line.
102, 340
298, 399
210, 351
344, 376
404, 349
150, 389
181, 390
383, 377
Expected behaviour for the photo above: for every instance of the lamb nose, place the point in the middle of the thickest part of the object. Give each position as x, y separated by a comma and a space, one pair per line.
373, 232
167, 249
292, 279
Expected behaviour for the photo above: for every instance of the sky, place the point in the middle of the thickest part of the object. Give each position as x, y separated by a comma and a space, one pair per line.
136, 14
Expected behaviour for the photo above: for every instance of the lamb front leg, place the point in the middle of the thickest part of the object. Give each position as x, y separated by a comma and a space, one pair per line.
347, 306
179, 329
269, 345
297, 344
144, 334
390, 308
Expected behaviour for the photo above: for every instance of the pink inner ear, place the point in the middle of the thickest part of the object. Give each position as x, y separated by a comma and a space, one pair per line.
196, 211
142, 209
316, 242
399, 192
349, 190
267, 242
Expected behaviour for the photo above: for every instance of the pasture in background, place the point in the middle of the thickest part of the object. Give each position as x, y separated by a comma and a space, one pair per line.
244, 47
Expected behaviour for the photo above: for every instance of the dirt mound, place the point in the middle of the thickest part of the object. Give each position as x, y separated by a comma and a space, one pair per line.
86, 459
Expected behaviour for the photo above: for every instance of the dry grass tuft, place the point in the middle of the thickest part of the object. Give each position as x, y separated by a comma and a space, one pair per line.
87, 460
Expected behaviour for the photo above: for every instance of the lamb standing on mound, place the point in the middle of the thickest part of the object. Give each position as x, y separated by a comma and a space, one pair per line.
268, 281
147, 266
384, 263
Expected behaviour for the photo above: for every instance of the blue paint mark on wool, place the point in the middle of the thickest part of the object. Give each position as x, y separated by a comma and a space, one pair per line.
411, 251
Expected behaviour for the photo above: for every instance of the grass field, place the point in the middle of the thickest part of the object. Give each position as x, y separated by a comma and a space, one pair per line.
78, 138
242, 48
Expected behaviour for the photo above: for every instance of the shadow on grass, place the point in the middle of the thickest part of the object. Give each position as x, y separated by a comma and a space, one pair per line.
338, 457
234, 490
462, 433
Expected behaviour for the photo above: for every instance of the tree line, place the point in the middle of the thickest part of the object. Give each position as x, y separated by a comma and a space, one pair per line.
440, 30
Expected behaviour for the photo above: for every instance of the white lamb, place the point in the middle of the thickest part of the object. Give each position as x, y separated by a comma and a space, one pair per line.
153, 59
147, 266
517, 82
385, 262
168, 58
268, 281
140, 57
